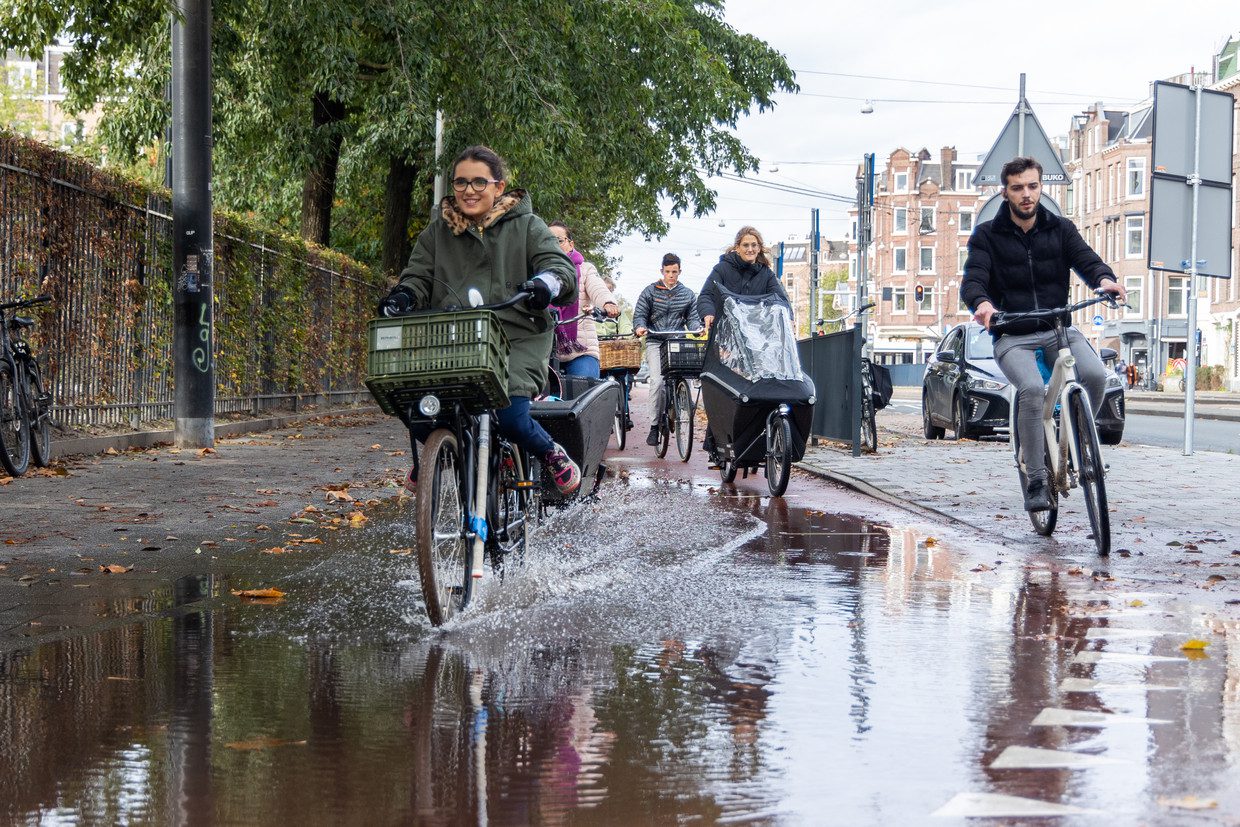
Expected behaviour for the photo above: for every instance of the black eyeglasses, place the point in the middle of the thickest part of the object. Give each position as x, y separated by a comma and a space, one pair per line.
563, 239
477, 184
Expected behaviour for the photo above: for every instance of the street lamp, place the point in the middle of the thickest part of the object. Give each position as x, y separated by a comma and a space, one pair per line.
867, 108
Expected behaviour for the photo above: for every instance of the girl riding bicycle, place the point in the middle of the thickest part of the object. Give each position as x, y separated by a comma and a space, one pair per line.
488, 238
576, 343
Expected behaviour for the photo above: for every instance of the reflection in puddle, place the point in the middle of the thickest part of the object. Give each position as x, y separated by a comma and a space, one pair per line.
764, 663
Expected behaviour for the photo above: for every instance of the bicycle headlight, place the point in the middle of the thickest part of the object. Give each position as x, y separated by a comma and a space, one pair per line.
986, 385
429, 405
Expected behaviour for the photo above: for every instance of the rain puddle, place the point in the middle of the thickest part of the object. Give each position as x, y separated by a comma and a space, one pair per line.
662, 658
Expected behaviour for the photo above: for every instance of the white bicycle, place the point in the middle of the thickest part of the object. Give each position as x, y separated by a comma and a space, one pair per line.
1073, 454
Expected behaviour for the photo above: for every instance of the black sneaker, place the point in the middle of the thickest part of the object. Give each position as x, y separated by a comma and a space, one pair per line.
1037, 496
653, 437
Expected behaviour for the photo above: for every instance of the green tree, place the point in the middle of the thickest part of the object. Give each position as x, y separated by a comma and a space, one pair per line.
19, 111
605, 110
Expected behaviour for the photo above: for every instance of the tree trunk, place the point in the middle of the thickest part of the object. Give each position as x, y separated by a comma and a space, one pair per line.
320, 185
396, 210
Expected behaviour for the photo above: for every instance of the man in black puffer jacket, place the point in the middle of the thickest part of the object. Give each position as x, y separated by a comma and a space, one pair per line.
1019, 261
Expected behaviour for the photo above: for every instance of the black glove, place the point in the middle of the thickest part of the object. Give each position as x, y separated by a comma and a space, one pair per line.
399, 301
543, 288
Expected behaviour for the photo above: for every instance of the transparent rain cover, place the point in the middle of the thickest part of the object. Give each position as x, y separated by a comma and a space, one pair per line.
756, 341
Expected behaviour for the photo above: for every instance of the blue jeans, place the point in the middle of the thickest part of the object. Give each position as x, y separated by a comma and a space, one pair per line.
514, 422
583, 365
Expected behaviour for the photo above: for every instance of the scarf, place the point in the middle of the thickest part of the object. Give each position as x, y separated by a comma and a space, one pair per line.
566, 344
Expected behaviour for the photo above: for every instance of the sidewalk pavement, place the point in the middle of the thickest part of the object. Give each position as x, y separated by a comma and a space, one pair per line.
1172, 517
1224, 407
158, 514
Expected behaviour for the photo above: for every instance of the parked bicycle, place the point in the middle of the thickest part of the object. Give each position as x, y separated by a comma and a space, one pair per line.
869, 424
1073, 453
620, 357
476, 496
25, 405
680, 361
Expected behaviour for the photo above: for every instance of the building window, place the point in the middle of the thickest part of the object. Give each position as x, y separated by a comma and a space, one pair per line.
901, 225
1089, 185
962, 255
1134, 236
899, 300
925, 263
1133, 285
926, 225
1177, 296
926, 305
1136, 178
1113, 194
964, 179
1069, 201
901, 182
961, 307
966, 221
900, 260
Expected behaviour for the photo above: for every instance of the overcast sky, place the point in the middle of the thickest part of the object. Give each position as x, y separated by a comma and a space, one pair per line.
1105, 50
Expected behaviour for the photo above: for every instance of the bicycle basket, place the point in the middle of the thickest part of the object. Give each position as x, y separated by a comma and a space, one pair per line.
620, 354
456, 355
682, 355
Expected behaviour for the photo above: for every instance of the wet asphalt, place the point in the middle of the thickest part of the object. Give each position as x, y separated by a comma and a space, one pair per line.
676, 650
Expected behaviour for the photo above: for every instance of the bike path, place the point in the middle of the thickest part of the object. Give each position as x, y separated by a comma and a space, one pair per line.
1171, 515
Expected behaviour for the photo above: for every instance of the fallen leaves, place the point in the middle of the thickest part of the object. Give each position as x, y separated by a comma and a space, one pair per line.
265, 742
1187, 802
115, 568
403, 552
258, 594
340, 496
1194, 645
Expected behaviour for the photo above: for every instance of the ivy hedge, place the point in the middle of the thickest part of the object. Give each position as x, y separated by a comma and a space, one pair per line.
290, 317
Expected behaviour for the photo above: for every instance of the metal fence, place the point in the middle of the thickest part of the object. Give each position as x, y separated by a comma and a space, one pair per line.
904, 376
290, 319
834, 363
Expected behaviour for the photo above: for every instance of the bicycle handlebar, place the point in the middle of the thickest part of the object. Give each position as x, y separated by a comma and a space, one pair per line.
673, 332
846, 316
1003, 318
596, 314
504, 305
25, 302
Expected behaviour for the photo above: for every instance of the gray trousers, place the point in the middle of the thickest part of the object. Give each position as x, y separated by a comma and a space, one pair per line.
1015, 355
654, 380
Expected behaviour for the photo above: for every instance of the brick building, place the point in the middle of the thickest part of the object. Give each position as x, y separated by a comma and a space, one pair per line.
924, 209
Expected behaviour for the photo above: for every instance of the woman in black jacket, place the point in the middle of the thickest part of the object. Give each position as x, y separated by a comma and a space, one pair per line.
745, 270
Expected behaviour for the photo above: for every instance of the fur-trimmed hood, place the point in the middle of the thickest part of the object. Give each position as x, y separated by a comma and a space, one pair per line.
512, 203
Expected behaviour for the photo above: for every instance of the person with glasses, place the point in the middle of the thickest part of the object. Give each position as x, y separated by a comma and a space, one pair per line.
576, 343
487, 237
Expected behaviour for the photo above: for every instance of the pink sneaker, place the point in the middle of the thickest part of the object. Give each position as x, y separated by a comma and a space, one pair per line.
411, 482
564, 472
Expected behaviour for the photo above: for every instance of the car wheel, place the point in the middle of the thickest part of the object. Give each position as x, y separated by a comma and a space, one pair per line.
928, 429
960, 419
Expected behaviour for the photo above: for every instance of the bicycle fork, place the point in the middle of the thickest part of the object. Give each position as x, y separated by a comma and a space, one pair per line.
478, 508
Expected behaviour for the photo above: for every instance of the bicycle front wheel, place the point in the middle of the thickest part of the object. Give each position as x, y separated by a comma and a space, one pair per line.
14, 442
618, 421
513, 506
665, 424
684, 408
779, 458
39, 405
1091, 474
442, 547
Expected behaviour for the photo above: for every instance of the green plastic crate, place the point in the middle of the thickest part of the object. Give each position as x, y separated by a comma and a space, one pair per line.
457, 356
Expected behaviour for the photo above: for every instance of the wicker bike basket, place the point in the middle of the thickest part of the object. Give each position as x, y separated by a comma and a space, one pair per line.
620, 353
455, 355
682, 355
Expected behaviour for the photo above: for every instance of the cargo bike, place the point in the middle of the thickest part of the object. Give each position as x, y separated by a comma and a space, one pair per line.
759, 403
620, 358
444, 374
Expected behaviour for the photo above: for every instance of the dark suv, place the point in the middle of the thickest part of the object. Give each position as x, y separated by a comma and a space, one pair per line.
963, 390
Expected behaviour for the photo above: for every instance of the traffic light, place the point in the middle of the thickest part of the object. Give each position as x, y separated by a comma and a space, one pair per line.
919, 293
